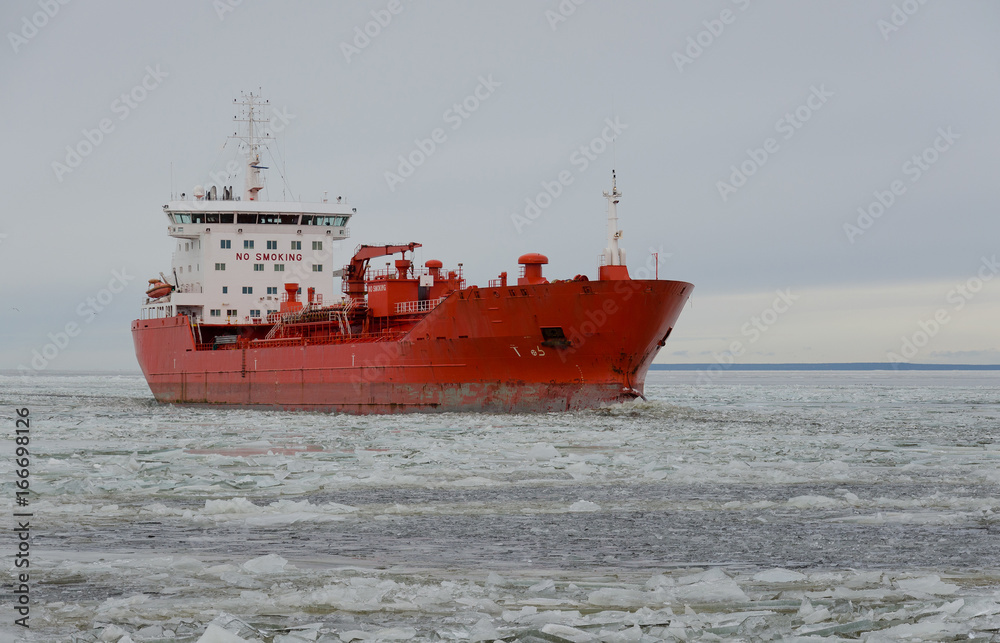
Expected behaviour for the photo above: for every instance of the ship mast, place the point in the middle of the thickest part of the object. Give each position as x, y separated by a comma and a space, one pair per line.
613, 255
253, 115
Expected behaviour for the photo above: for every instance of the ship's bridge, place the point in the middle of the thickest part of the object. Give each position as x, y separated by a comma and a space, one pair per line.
189, 218
233, 257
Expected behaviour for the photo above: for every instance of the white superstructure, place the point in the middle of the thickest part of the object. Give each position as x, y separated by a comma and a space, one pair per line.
235, 254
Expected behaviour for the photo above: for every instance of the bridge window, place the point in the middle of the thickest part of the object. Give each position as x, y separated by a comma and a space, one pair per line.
246, 218
327, 221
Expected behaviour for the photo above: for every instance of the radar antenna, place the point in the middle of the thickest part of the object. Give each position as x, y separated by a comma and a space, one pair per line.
253, 114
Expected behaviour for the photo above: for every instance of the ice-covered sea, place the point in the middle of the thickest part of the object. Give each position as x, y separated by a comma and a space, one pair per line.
805, 506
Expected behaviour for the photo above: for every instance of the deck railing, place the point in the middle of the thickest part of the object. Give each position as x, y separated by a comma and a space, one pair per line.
423, 306
366, 338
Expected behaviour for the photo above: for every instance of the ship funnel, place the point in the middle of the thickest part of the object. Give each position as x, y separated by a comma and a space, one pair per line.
291, 303
532, 263
434, 267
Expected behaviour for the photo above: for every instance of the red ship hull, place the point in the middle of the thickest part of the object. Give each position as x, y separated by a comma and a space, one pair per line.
481, 349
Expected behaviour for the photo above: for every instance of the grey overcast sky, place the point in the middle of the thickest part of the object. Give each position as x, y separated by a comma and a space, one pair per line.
840, 153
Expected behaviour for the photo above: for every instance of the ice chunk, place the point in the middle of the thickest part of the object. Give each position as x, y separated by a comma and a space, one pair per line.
474, 481
269, 564
816, 616
712, 586
846, 628
216, 634
495, 580
150, 632
978, 607
234, 506
543, 451
617, 597
778, 575
917, 631
566, 633
511, 616
813, 502
395, 634
659, 580
926, 586
111, 633
584, 505
547, 585
483, 631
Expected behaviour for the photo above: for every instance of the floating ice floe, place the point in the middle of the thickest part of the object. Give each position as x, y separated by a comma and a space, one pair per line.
215, 634
584, 505
543, 451
926, 586
779, 575
269, 564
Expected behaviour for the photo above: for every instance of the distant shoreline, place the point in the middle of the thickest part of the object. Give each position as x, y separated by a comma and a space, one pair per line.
829, 366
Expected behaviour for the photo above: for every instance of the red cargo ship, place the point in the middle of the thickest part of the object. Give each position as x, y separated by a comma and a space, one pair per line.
398, 340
